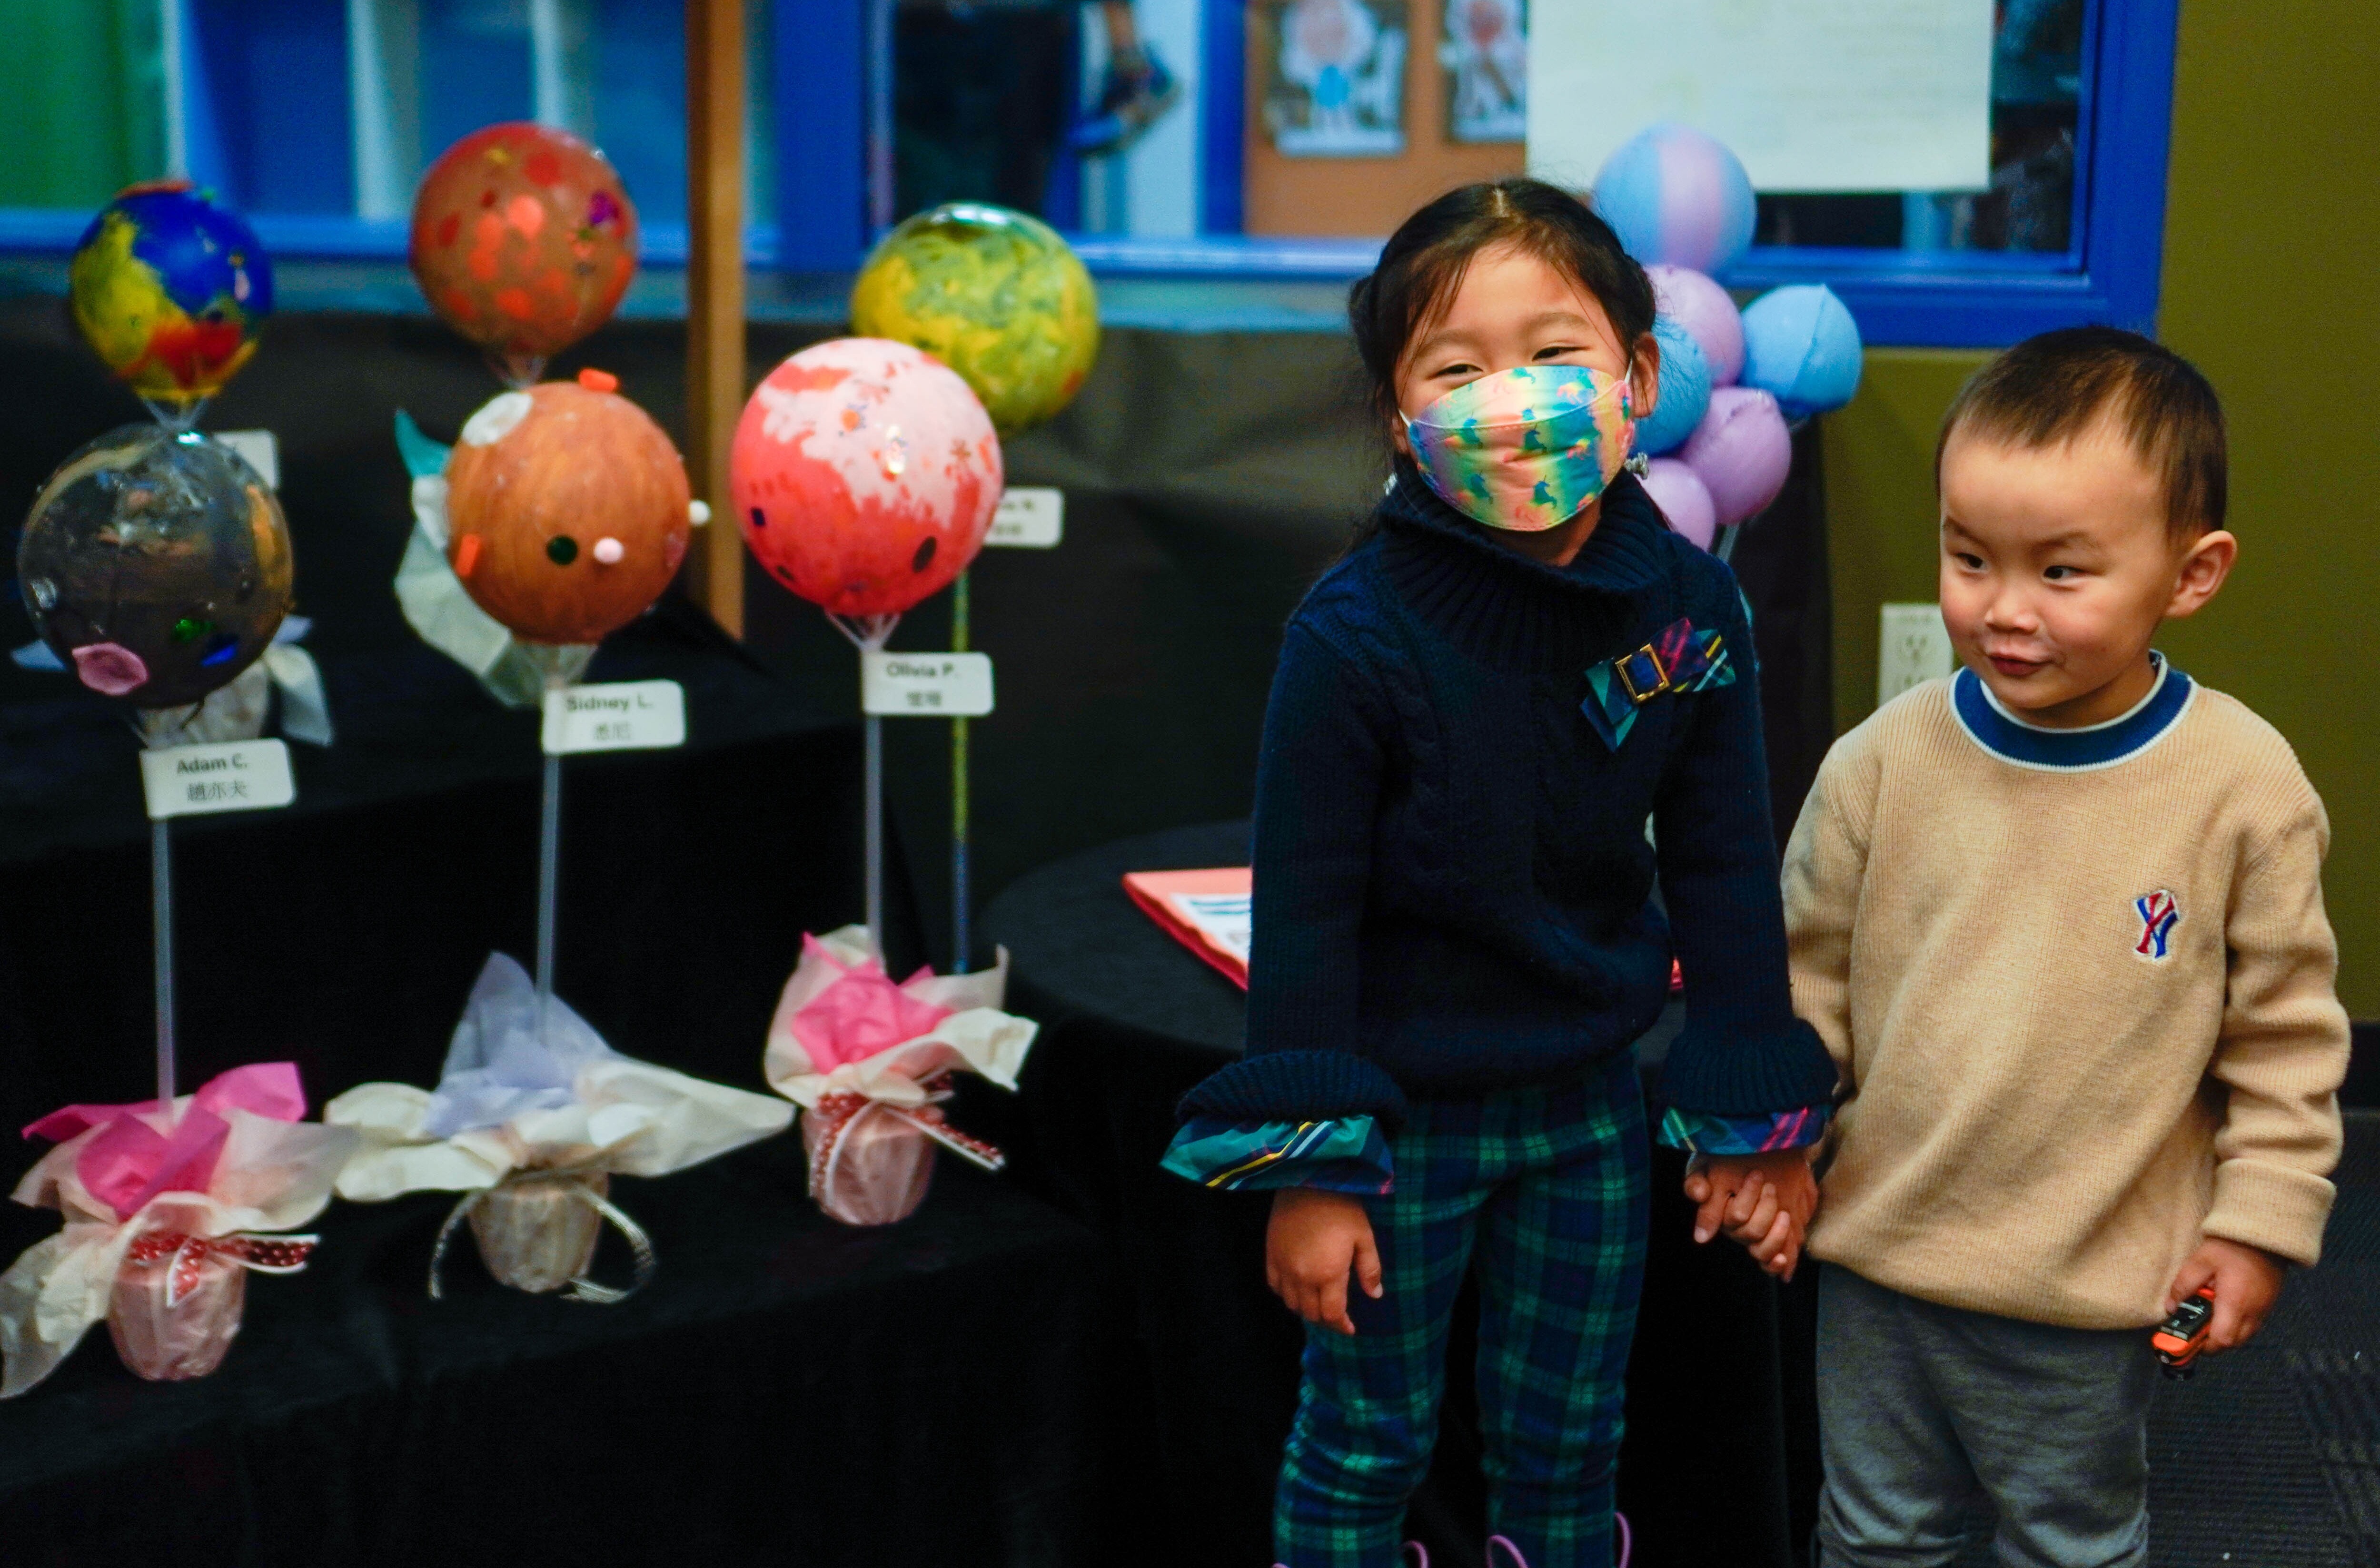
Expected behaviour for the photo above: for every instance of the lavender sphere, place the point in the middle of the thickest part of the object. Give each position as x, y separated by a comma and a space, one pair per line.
1696, 303
1683, 498
1740, 451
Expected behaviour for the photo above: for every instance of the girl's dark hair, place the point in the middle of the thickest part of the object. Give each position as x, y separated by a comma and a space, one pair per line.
1424, 261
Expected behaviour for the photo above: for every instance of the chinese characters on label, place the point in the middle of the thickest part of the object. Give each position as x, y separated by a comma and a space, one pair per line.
619, 716
932, 685
193, 780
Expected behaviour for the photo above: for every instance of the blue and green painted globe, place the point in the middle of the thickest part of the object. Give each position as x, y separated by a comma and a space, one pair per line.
170, 288
994, 295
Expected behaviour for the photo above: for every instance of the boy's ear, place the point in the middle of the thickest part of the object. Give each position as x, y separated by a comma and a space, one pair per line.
2202, 570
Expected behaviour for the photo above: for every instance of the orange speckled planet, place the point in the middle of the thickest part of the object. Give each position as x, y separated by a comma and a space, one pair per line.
523, 239
566, 510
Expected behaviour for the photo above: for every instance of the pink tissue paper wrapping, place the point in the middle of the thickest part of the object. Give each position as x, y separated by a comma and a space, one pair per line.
167, 1209
868, 1060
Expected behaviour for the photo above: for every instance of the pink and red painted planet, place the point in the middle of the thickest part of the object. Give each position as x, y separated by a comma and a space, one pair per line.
864, 474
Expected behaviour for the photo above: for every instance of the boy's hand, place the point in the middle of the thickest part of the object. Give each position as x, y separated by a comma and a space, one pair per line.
1762, 1200
1316, 1239
2246, 1281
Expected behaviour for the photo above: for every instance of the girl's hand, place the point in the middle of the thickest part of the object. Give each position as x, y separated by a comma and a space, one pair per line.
2246, 1280
1762, 1200
1316, 1239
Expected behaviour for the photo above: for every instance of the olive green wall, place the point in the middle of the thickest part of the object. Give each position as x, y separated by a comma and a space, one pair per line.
81, 79
2272, 239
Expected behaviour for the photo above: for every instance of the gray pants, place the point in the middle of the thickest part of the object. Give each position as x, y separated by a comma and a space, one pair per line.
1932, 1417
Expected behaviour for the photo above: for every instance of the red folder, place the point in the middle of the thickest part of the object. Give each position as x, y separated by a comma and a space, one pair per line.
1207, 911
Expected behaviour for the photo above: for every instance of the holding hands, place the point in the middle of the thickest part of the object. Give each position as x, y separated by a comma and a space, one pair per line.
1762, 1200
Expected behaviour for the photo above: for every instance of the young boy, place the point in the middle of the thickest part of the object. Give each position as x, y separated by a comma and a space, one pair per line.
2060, 921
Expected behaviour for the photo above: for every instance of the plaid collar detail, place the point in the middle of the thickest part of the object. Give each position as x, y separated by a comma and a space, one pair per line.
1679, 658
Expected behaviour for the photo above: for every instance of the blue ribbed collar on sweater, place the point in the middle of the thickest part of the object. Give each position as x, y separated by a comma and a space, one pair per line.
1991, 726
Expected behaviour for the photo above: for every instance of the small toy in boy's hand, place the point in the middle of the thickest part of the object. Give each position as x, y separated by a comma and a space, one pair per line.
2182, 1335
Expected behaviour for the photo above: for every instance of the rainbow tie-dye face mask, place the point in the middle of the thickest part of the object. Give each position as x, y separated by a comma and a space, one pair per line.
1525, 448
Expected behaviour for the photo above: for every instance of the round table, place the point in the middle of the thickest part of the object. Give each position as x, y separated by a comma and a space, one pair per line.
1719, 1465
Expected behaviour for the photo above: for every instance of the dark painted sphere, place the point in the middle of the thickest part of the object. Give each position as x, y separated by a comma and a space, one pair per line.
155, 564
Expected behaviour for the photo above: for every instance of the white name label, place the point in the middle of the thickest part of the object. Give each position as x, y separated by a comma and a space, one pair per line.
194, 780
1031, 517
934, 685
259, 451
622, 715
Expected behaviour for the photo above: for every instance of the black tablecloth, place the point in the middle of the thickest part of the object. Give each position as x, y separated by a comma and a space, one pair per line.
1719, 1463
787, 1390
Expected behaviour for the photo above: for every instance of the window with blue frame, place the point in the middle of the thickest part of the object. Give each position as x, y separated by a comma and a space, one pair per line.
1125, 122
316, 117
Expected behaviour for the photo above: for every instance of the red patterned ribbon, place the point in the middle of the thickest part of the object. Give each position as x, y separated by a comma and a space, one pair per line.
265, 1254
837, 1112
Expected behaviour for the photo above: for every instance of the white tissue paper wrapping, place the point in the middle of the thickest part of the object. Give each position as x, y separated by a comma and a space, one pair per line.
272, 1176
508, 1100
437, 606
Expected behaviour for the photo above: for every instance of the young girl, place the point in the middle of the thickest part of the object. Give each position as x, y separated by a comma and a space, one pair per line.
1455, 942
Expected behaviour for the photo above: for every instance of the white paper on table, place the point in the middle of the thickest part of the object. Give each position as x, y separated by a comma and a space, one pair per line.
1221, 918
1833, 95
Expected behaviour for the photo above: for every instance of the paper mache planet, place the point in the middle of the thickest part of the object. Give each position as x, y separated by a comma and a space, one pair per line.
1674, 195
155, 564
863, 475
566, 510
1708, 312
523, 239
994, 295
1742, 451
169, 289
1802, 346
1683, 500
1685, 391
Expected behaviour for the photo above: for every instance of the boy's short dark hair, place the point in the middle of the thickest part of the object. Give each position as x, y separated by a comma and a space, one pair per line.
2051, 389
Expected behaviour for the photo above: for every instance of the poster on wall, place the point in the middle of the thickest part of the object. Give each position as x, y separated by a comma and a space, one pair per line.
1813, 95
1486, 57
1335, 77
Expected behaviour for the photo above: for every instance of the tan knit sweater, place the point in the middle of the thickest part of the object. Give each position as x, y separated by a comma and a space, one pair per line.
2044, 1116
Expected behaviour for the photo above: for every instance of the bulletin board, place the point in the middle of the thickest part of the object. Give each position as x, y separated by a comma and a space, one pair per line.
1436, 150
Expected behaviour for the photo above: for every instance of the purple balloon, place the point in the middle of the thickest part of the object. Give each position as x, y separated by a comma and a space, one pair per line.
1696, 303
1740, 451
1683, 498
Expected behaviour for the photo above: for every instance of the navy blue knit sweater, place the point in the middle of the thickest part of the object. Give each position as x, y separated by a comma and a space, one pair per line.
1452, 876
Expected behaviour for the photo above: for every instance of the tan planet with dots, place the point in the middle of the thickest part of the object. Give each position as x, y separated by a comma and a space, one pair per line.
566, 510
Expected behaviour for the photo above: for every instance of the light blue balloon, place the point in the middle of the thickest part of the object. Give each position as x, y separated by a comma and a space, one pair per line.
1685, 391
1802, 347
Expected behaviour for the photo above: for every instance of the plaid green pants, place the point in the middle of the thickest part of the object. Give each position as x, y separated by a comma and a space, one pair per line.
1548, 1188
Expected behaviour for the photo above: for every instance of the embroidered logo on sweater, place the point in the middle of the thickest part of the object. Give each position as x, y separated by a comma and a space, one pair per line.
2160, 914
1679, 658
